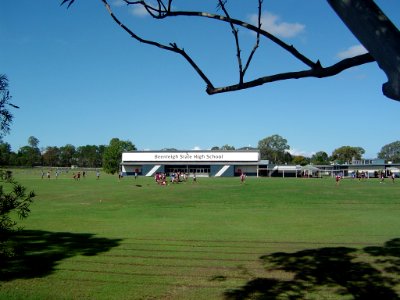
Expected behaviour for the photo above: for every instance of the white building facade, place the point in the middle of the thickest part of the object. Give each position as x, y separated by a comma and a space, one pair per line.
202, 163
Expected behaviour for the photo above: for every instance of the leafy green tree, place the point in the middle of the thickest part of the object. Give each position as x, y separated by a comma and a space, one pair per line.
215, 148
88, 156
227, 147
274, 148
6, 116
51, 156
24, 156
33, 142
390, 152
67, 155
29, 156
248, 148
13, 159
113, 153
99, 156
14, 199
5, 153
346, 154
320, 158
300, 160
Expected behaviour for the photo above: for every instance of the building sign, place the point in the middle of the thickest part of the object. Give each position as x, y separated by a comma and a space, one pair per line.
191, 156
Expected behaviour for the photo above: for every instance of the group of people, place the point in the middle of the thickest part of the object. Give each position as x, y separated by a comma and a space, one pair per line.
48, 174
363, 175
75, 176
392, 176
381, 175
161, 178
78, 175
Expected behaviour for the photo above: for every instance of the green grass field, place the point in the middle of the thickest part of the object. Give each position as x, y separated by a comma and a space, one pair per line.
270, 238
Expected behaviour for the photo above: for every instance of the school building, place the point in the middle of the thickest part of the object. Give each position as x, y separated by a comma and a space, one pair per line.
202, 163
231, 163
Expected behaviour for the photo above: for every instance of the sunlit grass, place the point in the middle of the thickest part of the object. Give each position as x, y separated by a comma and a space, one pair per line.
127, 239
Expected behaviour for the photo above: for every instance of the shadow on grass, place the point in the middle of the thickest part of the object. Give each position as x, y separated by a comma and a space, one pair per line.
38, 252
370, 273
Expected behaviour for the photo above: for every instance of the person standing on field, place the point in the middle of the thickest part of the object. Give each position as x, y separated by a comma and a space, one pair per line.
338, 177
242, 178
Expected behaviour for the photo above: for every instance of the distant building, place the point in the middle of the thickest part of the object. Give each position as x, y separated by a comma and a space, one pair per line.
229, 163
370, 168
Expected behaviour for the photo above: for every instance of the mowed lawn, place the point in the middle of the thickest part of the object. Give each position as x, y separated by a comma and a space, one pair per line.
270, 238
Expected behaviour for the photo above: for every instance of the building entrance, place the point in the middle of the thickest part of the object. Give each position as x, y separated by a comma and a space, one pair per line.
188, 169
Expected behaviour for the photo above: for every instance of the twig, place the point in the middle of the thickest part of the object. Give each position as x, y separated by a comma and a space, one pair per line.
235, 32
257, 38
173, 47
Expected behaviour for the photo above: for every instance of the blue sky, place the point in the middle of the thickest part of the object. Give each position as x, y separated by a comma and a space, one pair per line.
79, 79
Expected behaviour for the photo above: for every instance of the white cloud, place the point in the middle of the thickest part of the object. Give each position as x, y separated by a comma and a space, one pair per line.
196, 148
118, 3
273, 25
352, 51
139, 11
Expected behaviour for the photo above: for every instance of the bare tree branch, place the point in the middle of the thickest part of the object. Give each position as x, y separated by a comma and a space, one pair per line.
163, 9
66, 1
173, 47
257, 38
316, 72
290, 48
235, 33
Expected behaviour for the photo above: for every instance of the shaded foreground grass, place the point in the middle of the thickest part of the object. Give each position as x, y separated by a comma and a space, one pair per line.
266, 239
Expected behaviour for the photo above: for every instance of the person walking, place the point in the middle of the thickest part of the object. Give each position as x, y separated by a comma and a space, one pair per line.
242, 178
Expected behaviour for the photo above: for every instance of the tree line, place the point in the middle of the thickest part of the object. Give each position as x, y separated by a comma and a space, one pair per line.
107, 157
274, 148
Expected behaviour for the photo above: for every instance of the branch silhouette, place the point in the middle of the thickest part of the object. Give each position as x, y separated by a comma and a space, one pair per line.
340, 271
38, 252
161, 9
